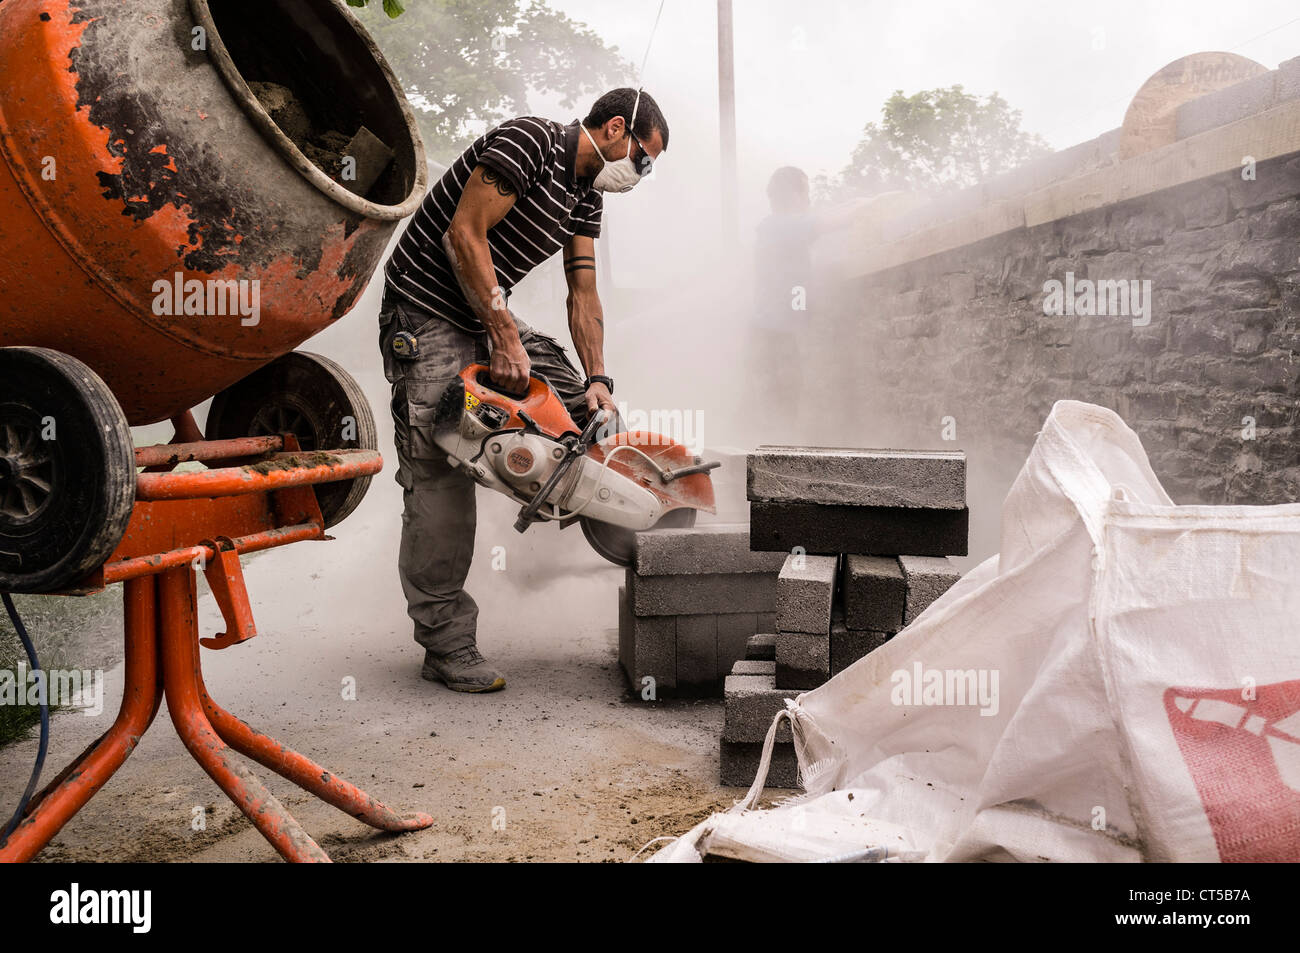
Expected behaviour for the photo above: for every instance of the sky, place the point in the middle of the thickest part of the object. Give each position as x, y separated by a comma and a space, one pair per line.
810, 74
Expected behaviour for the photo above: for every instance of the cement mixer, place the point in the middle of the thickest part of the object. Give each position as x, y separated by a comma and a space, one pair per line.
189, 190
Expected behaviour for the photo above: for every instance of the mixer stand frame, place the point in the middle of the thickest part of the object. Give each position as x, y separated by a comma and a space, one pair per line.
256, 496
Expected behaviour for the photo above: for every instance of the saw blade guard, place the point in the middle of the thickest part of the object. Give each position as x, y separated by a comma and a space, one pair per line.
658, 464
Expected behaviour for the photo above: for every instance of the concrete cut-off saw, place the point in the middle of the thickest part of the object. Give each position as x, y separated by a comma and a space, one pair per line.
527, 446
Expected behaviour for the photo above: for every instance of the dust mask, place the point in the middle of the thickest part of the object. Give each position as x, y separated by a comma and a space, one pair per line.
620, 175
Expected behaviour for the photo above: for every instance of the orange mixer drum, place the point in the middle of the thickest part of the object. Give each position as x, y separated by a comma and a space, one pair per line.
190, 189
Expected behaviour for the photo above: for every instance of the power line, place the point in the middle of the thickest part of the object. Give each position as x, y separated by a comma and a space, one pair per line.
1262, 35
1231, 49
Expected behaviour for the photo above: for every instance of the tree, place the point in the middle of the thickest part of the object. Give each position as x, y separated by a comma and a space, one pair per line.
468, 64
939, 140
393, 8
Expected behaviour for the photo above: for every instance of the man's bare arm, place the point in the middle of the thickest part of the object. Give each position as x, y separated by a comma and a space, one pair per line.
586, 316
488, 196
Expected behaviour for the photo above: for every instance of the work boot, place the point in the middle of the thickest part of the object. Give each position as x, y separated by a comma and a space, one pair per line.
463, 670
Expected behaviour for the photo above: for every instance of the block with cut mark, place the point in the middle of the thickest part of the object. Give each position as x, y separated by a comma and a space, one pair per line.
905, 478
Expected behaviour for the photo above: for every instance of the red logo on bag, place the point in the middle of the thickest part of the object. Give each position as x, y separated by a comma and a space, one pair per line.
1244, 756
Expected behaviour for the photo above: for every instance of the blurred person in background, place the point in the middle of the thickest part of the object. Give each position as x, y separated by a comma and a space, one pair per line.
788, 339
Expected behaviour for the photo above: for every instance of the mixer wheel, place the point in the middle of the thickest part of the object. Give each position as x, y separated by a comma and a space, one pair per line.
618, 544
312, 398
67, 471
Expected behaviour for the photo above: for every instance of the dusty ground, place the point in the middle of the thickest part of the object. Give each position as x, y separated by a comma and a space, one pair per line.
581, 770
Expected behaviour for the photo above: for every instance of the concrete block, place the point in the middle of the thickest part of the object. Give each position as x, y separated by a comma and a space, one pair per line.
767, 622
805, 591
647, 647
713, 548
848, 645
904, 478
927, 578
761, 648
697, 654
858, 529
695, 595
874, 593
752, 701
747, 667
803, 661
739, 765
626, 640
734, 632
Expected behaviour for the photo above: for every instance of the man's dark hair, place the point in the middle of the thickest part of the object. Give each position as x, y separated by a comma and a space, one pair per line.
620, 102
787, 181
787, 190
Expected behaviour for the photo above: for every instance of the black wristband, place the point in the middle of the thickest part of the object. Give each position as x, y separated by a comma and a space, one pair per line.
599, 379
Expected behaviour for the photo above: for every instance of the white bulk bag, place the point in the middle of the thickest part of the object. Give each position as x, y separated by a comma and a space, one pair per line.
1120, 683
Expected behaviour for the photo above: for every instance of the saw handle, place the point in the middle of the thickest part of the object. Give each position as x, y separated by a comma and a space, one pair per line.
484, 378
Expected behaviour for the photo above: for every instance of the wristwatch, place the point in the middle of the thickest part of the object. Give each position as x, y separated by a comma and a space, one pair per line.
599, 379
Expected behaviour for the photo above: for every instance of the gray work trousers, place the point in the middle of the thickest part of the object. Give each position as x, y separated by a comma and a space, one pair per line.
439, 518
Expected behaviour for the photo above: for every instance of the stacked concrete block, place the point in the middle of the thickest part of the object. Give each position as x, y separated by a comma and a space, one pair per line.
692, 600
778, 666
844, 517
832, 501
805, 596
709, 593
805, 592
879, 596
761, 647
829, 529
874, 593
927, 578
647, 647
753, 700
850, 645
872, 603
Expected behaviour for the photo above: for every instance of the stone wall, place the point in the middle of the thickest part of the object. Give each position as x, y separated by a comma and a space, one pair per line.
963, 335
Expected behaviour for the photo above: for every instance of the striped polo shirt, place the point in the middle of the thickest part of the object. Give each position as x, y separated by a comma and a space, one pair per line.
538, 158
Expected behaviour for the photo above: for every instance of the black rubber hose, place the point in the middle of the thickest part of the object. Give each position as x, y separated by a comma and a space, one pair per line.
45, 718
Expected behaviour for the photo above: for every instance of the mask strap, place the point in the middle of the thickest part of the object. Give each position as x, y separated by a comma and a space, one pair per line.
631, 123
603, 161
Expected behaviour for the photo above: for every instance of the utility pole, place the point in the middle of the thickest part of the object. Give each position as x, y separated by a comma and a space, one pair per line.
727, 118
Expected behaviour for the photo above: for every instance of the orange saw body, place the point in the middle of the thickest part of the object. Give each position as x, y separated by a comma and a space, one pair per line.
527, 446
